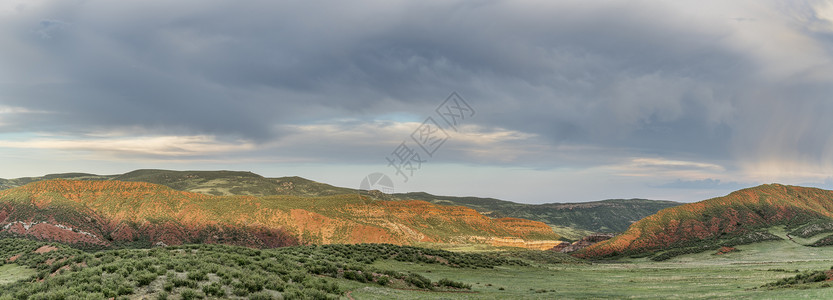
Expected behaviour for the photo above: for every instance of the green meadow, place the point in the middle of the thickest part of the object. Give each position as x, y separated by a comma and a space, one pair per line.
394, 272
12, 273
736, 275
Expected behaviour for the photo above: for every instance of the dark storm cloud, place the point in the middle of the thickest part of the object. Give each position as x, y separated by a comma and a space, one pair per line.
653, 78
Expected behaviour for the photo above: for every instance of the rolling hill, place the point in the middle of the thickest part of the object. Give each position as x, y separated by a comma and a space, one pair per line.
740, 217
571, 220
13, 183
234, 183
112, 212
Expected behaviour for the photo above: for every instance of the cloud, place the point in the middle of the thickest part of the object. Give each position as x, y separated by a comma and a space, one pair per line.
582, 72
673, 164
11, 110
663, 168
371, 142
132, 147
346, 141
49, 27
11, 114
688, 89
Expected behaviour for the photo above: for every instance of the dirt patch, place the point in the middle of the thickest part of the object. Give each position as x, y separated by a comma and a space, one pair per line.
58, 271
14, 258
53, 260
724, 250
45, 249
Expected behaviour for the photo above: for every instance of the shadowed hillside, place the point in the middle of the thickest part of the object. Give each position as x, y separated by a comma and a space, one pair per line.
598, 216
112, 212
735, 216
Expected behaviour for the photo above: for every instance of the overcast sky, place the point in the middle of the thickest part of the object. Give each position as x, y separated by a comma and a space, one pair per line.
567, 101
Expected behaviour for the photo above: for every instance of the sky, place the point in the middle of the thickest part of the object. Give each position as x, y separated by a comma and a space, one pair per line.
528, 101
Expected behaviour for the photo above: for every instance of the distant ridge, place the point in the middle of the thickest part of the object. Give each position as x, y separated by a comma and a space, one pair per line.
614, 215
228, 183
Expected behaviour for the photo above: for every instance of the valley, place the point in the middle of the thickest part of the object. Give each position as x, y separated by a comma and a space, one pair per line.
490, 275
738, 275
155, 234
464, 149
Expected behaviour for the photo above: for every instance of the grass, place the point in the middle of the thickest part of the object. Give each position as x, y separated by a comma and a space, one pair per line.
571, 233
737, 275
199, 271
469, 248
339, 271
13, 273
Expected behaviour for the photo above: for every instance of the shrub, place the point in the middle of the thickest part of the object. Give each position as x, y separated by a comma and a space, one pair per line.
124, 290
144, 278
260, 296
162, 296
197, 275
383, 280
353, 275
189, 294
453, 284
239, 290
178, 282
418, 281
214, 289
253, 284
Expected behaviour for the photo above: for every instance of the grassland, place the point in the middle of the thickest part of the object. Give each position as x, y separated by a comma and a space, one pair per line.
357, 272
12, 273
737, 275
570, 233
54, 271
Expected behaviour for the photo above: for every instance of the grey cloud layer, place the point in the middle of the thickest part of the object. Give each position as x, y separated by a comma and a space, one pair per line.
701, 80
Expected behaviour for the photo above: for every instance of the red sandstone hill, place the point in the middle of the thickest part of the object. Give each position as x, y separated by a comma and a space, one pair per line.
719, 218
114, 212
